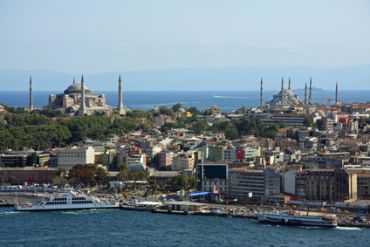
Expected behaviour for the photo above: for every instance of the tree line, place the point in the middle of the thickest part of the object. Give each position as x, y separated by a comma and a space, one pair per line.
38, 131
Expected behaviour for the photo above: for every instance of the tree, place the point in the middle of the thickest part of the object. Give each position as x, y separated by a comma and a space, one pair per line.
308, 121
182, 182
176, 107
82, 174
165, 110
231, 132
59, 181
193, 110
123, 125
101, 175
199, 126
122, 175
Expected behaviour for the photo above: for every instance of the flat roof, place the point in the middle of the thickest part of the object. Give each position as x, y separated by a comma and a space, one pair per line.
185, 203
28, 168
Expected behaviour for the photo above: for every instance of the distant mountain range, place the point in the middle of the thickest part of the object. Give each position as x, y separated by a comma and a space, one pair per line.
196, 79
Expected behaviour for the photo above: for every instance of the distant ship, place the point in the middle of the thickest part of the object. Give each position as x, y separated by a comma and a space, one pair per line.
293, 218
67, 201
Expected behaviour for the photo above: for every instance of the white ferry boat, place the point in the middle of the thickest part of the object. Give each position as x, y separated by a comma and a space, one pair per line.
293, 218
67, 201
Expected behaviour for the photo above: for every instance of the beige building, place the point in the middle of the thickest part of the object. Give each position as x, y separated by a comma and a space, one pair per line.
70, 100
69, 157
330, 185
184, 161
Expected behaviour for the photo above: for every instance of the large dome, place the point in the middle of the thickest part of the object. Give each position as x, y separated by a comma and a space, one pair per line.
76, 88
285, 97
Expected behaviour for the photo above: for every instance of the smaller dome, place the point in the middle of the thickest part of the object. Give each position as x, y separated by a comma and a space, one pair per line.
76, 88
181, 110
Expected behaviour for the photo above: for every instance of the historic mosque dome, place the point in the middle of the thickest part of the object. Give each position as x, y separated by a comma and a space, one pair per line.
284, 98
75, 88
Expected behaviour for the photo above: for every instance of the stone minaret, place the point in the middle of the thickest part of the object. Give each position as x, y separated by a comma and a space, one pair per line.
30, 100
261, 93
282, 84
120, 108
336, 93
310, 92
83, 100
289, 84
305, 93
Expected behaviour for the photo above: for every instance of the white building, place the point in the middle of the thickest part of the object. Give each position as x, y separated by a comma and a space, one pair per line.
69, 157
252, 152
230, 154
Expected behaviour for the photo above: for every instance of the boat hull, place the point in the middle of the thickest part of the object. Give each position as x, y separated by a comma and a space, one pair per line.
64, 209
292, 220
283, 223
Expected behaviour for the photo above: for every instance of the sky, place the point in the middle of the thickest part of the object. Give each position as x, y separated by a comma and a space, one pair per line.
94, 36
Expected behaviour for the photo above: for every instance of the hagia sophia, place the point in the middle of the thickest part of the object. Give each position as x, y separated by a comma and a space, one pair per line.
77, 99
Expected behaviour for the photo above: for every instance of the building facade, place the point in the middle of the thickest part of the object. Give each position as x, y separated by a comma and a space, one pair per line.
69, 157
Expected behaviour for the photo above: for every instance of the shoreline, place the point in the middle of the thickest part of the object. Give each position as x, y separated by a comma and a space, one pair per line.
230, 211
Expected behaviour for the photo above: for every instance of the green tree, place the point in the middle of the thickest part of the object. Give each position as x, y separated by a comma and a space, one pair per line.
59, 181
101, 175
165, 110
176, 107
82, 174
193, 111
308, 121
199, 126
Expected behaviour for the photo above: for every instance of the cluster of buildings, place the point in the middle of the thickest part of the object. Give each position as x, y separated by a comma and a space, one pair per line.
320, 152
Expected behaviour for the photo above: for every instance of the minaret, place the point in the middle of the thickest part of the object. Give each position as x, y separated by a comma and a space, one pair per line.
282, 84
82, 111
336, 93
74, 82
289, 84
30, 102
120, 108
261, 93
305, 93
310, 92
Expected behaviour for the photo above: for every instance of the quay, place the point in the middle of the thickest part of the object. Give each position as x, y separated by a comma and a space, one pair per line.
346, 219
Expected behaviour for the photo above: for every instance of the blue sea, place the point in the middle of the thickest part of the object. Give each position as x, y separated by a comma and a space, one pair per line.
127, 228
226, 100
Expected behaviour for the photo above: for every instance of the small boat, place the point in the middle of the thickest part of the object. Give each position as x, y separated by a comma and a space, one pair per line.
67, 201
293, 218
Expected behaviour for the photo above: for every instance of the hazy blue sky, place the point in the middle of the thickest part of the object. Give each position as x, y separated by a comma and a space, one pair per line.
93, 36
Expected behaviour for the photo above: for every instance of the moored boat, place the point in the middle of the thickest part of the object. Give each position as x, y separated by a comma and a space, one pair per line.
292, 218
67, 201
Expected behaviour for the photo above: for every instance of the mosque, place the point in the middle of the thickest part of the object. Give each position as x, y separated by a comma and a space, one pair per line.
286, 98
77, 99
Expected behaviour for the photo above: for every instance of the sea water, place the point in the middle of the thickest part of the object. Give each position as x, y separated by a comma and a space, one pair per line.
114, 227
226, 100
